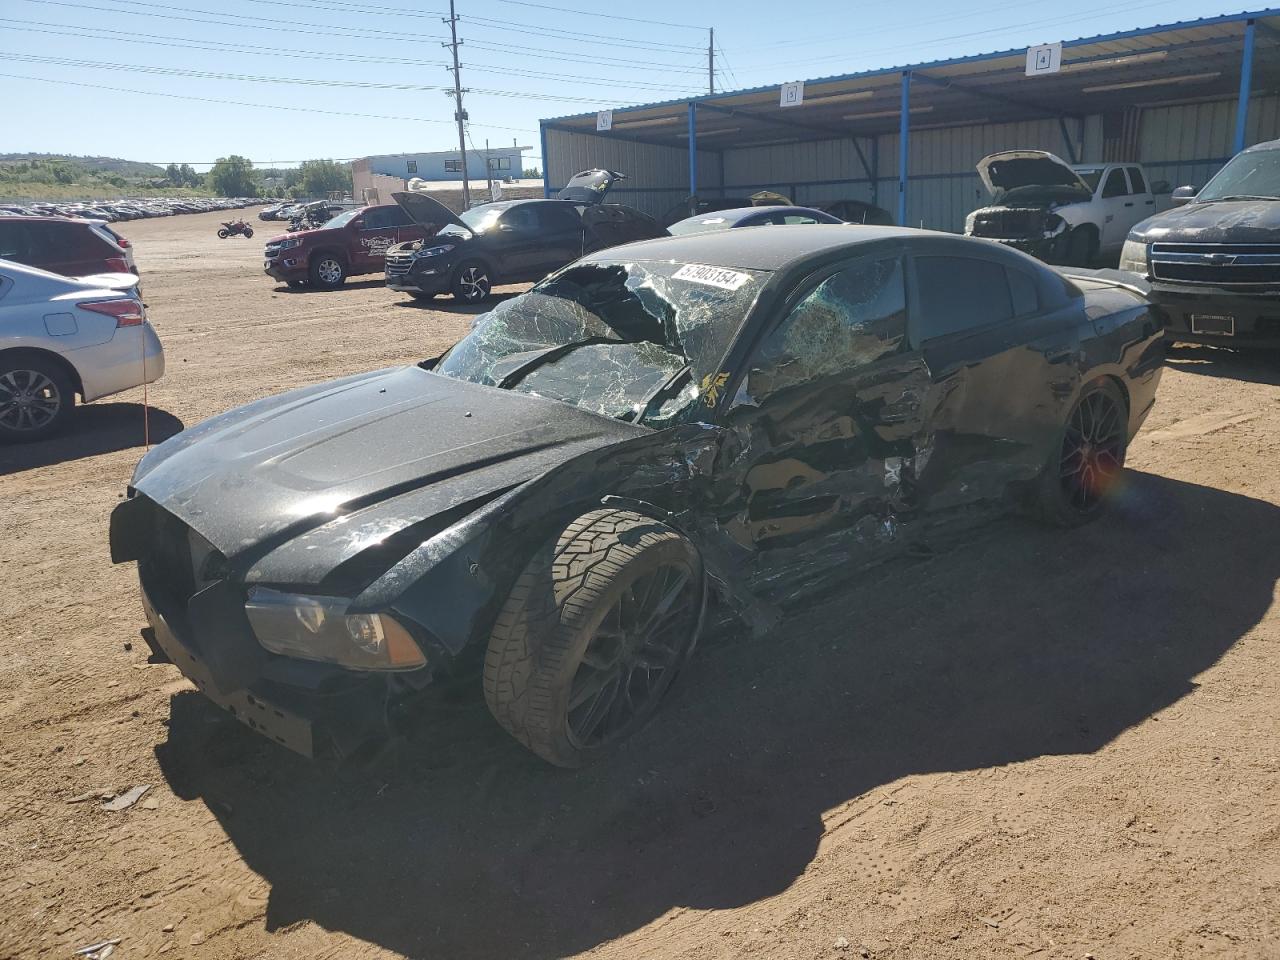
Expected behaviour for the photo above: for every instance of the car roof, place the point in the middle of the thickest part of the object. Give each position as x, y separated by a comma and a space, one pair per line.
761, 249
51, 219
741, 213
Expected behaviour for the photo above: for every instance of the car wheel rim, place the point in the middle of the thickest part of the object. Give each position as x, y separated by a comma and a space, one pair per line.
330, 271
633, 655
28, 400
475, 283
1092, 451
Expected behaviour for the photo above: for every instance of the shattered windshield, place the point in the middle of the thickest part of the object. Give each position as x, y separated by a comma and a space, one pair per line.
633, 340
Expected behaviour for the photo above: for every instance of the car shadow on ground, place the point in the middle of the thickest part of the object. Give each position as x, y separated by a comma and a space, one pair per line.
1019, 643
93, 429
320, 291
446, 303
1254, 366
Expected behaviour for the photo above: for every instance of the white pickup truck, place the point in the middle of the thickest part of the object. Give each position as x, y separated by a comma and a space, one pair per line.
1059, 212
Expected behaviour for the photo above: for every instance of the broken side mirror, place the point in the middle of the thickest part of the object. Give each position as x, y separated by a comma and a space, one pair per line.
1183, 195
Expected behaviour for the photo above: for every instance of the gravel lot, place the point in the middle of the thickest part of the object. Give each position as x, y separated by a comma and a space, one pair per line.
1033, 744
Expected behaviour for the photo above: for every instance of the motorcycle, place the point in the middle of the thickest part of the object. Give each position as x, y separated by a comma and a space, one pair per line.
235, 228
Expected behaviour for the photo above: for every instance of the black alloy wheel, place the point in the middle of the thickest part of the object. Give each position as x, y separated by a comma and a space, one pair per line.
1088, 461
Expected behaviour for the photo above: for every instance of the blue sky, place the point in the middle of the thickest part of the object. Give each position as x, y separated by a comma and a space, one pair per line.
124, 65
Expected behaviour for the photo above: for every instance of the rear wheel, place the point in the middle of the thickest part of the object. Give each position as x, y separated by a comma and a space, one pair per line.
1084, 466
592, 635
222, 233
471, 283
328, 272
36, 397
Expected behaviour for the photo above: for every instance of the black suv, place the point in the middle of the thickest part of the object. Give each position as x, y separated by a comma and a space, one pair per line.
1214, 260
510, 241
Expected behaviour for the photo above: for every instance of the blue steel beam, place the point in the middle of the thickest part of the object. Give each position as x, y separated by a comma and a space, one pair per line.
693, 156
546, 172
904, 146
1246, 79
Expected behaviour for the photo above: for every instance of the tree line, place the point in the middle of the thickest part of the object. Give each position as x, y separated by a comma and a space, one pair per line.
236, 176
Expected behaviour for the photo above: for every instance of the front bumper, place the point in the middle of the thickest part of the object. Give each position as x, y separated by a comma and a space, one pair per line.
423, 275
1042, 248
289, 265
1219, 317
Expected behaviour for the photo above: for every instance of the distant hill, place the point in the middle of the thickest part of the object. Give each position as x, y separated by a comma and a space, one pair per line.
125, 168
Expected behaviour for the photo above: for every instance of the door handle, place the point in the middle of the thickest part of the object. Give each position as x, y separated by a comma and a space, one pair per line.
1129, 204
1151, 203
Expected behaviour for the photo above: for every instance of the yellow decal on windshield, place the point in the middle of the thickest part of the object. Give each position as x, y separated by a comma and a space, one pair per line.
711, 386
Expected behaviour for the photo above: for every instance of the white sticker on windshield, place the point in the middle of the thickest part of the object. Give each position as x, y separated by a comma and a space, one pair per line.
711, 276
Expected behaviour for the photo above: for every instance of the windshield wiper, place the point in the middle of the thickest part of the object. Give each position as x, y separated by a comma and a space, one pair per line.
672, 385
549, 355
1238, 196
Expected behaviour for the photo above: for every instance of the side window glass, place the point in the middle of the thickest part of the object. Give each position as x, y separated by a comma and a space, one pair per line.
960, 293
1022, 289
1135, 180
521, 218
556, 219
13, 241
798, 218
397, 217
1115, 185
852, 318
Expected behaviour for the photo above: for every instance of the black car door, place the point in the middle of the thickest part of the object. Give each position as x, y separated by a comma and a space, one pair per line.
514, 244
560, 232
825, 421
1000, 343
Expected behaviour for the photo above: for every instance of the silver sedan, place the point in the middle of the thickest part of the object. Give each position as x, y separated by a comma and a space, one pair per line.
60, 337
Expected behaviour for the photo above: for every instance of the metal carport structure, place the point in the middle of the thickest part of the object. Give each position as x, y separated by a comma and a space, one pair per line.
1089, 109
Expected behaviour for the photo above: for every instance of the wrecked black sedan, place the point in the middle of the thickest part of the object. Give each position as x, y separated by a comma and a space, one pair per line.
545, 508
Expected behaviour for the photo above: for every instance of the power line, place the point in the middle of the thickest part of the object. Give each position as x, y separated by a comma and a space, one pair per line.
242, 103
218, 46
254, 78
607, 16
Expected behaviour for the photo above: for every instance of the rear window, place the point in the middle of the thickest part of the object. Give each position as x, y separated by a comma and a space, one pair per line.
960, 293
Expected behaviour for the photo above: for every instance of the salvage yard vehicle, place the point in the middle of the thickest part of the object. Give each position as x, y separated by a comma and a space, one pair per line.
1060, 213
544, 508
352, 243
235, 228
857, 211
1214, 263
510, 241
692, 206
751, 217
71, 247
60, 337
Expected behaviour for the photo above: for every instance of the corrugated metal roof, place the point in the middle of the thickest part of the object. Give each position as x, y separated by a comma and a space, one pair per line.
1176, 62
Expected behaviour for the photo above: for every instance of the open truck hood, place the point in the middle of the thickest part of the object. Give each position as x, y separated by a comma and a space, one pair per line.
1009, 169
428, 211
590, 186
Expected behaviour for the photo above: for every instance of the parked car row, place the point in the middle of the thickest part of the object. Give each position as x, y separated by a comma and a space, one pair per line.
111, 211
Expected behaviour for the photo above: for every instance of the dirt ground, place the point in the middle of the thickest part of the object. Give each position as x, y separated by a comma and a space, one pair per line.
1037, 743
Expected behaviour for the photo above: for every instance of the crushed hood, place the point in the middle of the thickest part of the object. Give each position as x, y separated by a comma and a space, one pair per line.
428, 211
1010, 169
590, 186
403, 443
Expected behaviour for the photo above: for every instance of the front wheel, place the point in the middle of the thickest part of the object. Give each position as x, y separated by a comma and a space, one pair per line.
594, 632
36, 397
248, 232
471, 284
1085, 464
328, 272
222, 233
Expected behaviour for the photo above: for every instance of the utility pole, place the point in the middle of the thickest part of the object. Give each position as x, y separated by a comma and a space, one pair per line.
488, 168
459, 114
711, 60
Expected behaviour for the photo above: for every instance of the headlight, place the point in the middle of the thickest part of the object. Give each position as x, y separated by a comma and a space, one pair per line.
1133, 257
1054, 225
319, 628
434, 251
292, 242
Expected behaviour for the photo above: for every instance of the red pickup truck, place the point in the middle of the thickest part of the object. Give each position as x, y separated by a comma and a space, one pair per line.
354, 242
